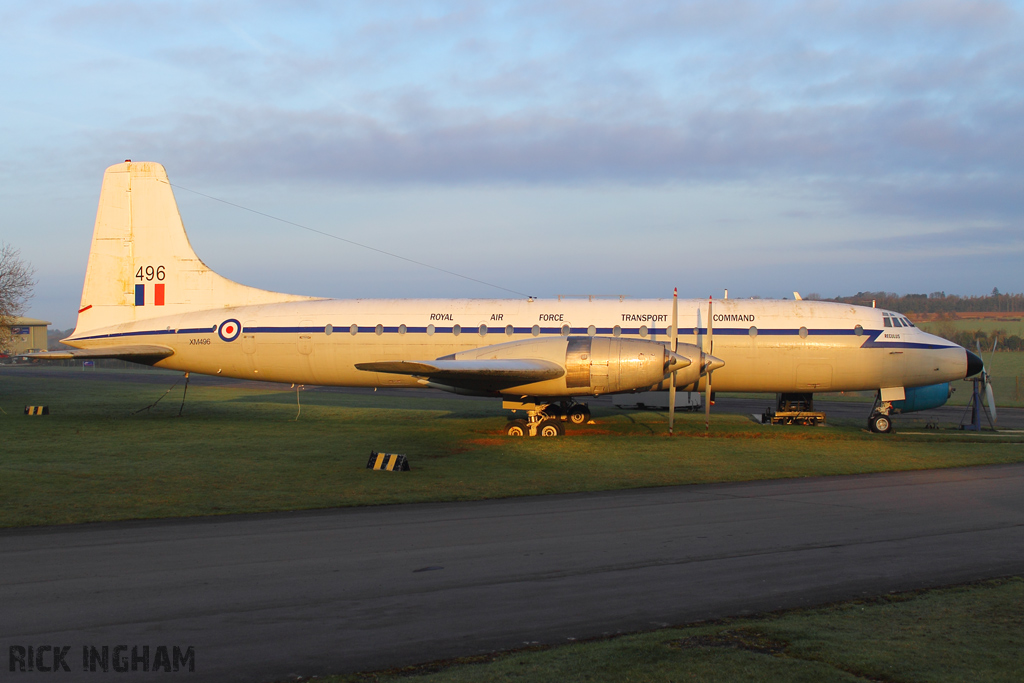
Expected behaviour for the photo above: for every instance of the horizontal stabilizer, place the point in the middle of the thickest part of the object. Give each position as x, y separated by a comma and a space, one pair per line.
141, 353
490, 373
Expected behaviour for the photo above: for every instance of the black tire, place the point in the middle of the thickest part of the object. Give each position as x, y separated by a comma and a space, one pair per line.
516, 428
880, 424
579, 415
550, 427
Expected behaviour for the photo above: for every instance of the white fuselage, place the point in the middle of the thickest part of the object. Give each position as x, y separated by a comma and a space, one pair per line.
767, 345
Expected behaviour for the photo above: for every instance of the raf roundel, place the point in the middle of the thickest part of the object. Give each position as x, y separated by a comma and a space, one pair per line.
229, 330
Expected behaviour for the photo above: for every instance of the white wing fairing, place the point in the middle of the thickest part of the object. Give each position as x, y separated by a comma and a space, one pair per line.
147, 297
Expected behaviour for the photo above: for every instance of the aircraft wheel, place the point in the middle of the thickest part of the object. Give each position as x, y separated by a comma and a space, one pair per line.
579, 414
880, 424
550, 428
516, 428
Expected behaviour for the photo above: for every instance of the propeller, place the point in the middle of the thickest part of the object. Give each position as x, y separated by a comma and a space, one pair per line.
986, 380
707, 387
675, 348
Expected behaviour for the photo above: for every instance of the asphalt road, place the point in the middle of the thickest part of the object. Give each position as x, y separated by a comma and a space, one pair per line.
265, 596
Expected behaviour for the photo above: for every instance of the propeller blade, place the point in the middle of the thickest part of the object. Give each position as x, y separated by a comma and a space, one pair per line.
671, 404
675, 347
675, 318
990, 402
707, 388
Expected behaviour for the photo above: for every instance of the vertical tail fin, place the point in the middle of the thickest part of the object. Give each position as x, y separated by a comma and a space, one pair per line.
141, 264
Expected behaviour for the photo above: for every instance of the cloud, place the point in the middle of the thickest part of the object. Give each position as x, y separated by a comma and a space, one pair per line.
901, 106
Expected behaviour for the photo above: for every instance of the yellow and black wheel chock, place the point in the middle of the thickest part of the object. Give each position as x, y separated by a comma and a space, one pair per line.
37, 410
392, 462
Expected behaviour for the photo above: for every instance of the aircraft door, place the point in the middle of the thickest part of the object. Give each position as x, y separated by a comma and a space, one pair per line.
305, 345
893, 368
249, 337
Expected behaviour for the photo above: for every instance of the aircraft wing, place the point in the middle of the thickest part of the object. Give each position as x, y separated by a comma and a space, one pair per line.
139, 353
490, 374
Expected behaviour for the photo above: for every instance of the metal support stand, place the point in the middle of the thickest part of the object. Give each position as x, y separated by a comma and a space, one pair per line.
976, 410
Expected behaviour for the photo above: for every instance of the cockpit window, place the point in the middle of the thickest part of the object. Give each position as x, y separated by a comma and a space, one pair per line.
896, 322
907, 323
886, 321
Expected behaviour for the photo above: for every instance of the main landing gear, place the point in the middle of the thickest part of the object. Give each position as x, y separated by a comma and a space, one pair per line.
545, 419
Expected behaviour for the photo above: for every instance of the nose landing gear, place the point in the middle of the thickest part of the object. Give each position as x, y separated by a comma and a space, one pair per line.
880, 421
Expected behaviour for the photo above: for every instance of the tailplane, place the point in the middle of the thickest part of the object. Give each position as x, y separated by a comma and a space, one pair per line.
141, 264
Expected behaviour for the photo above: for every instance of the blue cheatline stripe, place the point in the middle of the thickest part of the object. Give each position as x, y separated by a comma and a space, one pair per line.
140, 295
870, 342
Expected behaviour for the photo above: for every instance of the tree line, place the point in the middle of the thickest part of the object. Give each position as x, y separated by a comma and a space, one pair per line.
937, 302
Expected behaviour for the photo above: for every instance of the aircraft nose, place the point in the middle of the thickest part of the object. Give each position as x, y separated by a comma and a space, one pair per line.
974, 364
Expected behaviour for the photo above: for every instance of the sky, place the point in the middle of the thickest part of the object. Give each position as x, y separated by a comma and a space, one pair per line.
545, 148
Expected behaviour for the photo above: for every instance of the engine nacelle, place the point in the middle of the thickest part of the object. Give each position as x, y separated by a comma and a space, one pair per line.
596, 365
923, 398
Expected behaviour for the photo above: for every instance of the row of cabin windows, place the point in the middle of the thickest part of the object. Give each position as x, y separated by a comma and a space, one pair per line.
592, 330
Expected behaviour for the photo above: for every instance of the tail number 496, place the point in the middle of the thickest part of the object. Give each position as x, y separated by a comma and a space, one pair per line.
150, 273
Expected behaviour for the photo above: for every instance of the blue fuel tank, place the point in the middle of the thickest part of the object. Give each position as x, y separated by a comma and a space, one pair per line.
923, 398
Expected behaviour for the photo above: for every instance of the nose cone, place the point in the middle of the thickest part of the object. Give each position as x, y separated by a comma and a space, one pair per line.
974, 364
711, 363
674, 361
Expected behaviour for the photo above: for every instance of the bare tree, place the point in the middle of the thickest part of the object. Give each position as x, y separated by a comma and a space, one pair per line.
16, 285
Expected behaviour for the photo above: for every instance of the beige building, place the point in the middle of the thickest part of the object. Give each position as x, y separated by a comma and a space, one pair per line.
27, 334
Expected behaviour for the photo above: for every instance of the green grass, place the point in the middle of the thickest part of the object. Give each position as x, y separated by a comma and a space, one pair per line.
239, 449
987, 325
1006, 367
967, 633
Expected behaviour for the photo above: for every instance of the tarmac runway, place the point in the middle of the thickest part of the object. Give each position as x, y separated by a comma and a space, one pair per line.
262, 597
